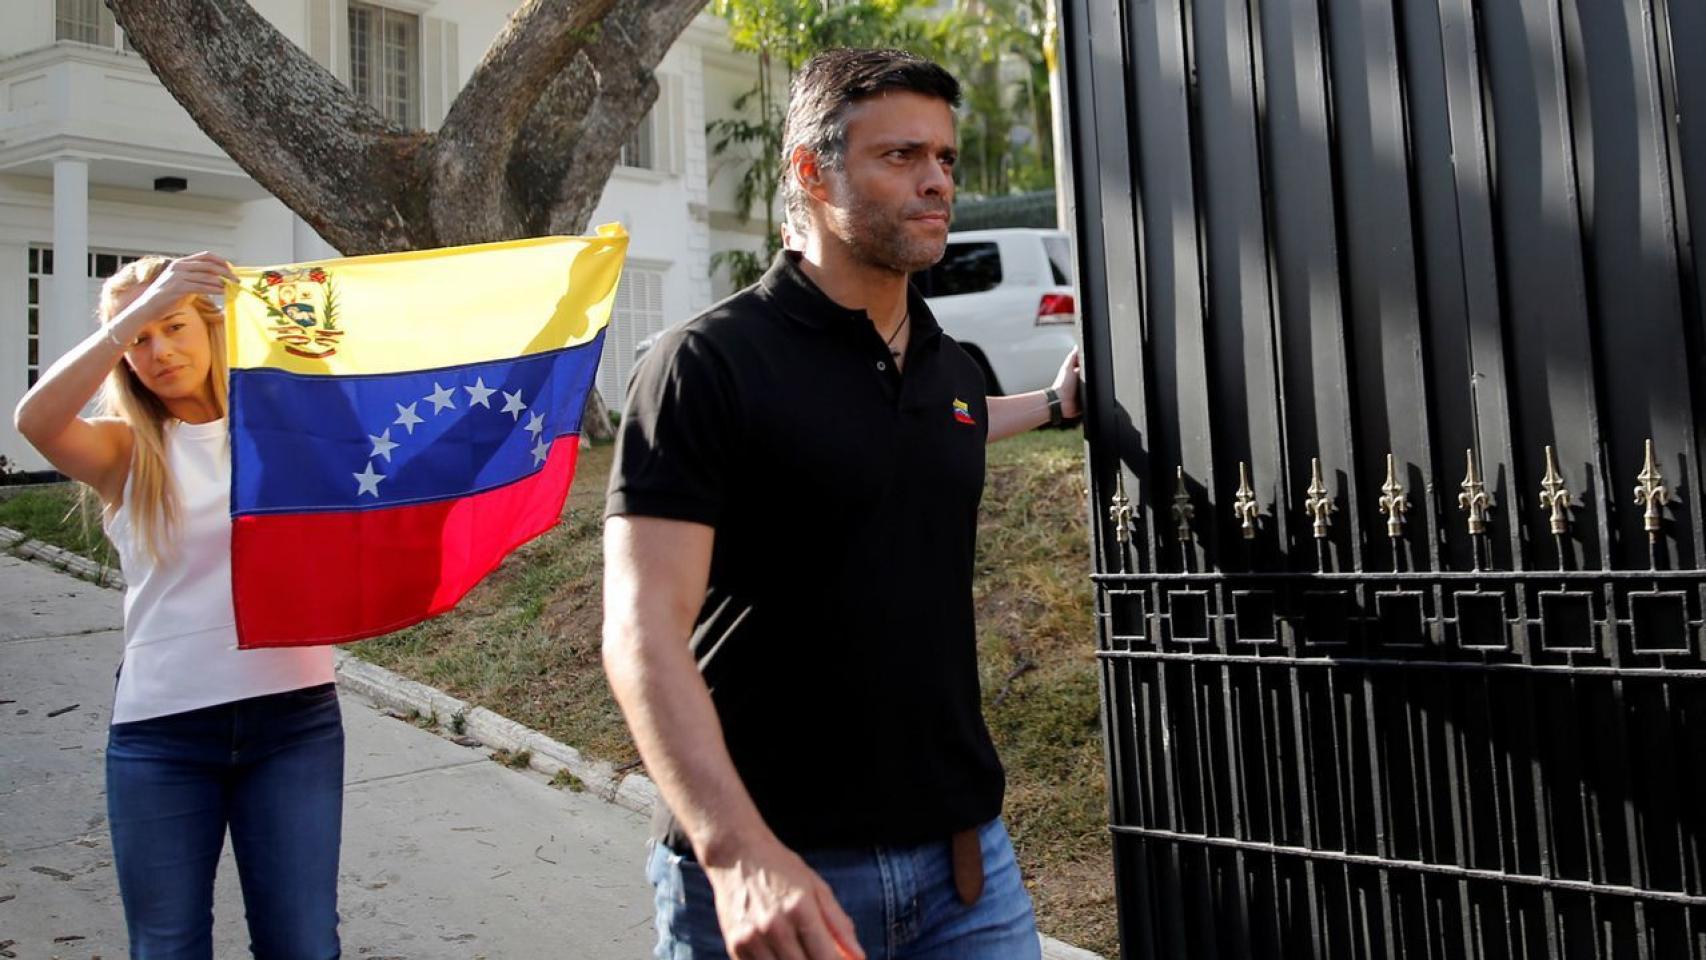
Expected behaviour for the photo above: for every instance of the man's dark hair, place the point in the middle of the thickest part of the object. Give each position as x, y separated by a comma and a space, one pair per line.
828, 86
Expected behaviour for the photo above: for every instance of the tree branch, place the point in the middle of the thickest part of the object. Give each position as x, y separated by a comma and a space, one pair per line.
573, 140
472, 149
286, 121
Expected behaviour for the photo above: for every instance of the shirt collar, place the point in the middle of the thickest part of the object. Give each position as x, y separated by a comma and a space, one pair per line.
794, 293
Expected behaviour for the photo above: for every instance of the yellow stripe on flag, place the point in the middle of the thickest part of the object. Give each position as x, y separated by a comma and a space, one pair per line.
425, 309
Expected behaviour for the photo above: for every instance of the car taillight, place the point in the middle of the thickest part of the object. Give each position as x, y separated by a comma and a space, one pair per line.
1057, 308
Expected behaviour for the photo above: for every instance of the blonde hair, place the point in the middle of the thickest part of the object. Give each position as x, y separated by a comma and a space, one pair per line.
152, 497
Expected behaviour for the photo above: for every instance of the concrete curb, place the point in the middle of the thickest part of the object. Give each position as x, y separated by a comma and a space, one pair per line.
60, 559
451, 717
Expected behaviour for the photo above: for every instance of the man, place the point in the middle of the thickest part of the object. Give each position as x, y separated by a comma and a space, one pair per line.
789, 546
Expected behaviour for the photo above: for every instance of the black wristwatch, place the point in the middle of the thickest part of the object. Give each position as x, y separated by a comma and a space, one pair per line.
1055, 417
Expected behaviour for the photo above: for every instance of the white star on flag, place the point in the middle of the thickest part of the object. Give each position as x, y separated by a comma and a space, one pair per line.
513, 405
535, 423
383, 445
368, 481
439, 398
479, 395
540, 451
407, 417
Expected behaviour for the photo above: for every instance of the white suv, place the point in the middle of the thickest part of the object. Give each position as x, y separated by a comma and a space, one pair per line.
1006, 296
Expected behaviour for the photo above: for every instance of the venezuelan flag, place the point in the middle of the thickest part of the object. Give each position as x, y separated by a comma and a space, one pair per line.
399, 423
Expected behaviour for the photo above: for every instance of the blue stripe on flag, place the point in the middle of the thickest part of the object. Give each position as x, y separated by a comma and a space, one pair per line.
306, 443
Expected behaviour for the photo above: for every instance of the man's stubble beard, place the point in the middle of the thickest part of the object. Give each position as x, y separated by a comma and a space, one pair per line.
879, 237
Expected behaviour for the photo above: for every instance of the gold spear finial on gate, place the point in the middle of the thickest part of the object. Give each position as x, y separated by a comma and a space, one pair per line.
1119, 509
1554, 497
1318, 505
1651, 493
1183, 510
1244, 503
1393, 503
1475, 499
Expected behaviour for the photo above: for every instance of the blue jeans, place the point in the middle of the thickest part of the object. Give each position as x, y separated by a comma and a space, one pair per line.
901, 900
271, 769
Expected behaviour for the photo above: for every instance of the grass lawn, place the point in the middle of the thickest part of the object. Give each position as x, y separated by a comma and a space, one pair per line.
53, 516
525, 644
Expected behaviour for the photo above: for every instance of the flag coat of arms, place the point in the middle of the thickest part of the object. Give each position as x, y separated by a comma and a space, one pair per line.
399, 423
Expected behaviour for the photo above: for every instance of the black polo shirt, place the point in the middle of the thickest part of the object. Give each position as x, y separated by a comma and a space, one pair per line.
837, 635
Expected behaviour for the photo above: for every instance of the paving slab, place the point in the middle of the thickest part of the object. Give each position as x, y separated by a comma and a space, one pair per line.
447, 855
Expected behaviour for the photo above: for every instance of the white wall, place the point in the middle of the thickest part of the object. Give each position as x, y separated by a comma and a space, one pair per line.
67, 99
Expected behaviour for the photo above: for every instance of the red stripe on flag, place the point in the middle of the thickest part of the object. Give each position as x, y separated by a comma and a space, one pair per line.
316, 578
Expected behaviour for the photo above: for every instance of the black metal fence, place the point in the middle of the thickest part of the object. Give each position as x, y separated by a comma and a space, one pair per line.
1397, 357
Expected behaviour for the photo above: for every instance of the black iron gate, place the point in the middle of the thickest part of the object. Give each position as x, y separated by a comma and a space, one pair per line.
1394, 334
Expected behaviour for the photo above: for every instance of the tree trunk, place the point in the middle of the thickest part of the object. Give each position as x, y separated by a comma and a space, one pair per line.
595, 419
525, 150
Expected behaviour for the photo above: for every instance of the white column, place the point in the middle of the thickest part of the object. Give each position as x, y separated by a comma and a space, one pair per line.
70, 320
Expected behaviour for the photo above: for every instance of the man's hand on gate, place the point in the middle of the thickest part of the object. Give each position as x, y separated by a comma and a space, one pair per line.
1066, 383
772, 906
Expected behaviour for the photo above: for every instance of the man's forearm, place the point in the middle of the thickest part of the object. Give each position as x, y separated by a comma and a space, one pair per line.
1015, 414
680, 739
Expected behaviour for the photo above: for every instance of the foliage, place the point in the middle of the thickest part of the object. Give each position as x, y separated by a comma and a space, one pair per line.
995, 48
783, 35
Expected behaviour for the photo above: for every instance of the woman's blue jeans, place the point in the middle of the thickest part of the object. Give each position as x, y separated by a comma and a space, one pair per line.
271, 770
901, 901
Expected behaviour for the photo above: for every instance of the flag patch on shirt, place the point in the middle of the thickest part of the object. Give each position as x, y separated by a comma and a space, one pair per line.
962, 413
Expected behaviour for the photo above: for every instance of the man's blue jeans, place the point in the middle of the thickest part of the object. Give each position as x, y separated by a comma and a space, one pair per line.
271, 769
901, 899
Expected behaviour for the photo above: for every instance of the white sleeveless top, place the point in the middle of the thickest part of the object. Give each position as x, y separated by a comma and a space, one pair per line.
180, 634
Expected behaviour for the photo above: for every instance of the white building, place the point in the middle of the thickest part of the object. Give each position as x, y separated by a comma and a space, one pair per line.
98, 164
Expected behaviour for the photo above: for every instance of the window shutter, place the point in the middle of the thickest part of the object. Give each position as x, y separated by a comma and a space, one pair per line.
674, 124
637, 313
328, 36
440, 78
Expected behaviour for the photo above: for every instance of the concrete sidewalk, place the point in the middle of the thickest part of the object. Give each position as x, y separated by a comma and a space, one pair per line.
446, 854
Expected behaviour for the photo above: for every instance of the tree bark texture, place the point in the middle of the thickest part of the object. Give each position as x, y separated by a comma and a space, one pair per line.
525, 149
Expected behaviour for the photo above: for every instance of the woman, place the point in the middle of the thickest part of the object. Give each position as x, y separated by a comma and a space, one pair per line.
204, 737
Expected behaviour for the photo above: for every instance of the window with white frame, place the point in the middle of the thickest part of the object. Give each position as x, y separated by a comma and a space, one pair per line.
39, 271
83, 21
636, 315
89, 22
385, 61
640, 152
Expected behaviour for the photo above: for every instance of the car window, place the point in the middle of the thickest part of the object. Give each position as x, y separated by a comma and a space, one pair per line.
964, 268
1059, 259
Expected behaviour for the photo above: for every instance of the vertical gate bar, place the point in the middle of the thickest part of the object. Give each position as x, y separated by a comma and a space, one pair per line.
1552, 286
1379, 259
1107, 228
1377, 784
1173, 341
1632, 255
1340, 723
1442, 260
1306, 805
1682, 27
1302, 215
1235, 792
1238, 296
1104, 228
1276, 794
1543, 829
1465, 64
